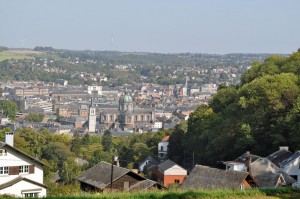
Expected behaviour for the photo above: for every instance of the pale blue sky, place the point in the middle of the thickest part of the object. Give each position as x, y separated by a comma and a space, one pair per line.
168, 26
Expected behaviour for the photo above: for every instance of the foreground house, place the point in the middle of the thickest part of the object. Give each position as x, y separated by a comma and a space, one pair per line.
204, 177
291, 166
163, 148
20, 174
288, 162
279, 156
265, 172
168, 172
98, 179
148, 161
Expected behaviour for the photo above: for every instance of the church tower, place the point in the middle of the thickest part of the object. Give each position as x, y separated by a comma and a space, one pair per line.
92, 118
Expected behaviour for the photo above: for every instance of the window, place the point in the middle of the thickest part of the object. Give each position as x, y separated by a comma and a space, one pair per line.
142, 118
126, 185
129, 119
242, 187
148, 118
135, 118
104, 118
176, 181
3, 152
31, 195
161, 148
295, 177
24, 169
111, 118
3, 170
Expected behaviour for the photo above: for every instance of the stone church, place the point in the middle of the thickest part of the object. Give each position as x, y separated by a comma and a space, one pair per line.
127, 117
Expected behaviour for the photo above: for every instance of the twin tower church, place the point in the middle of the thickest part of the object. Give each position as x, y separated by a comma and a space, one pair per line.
126, 116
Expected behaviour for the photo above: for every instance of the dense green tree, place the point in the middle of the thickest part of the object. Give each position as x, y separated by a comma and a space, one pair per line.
34, 117
56, 152
140, 152
99, 155
259, 115
76, 144
176, 150
107, 140
34, 141
86, 140
2, 133
9, 109
70, 170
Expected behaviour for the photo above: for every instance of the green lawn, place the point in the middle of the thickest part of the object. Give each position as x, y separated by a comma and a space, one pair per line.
17, 54
285, 193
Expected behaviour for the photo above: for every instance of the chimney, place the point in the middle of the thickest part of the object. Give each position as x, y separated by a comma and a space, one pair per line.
116, 161
9, 138
284, 148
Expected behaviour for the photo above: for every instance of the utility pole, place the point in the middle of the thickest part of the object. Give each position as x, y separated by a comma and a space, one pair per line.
112, 171
183, 158
193, 159
113, 161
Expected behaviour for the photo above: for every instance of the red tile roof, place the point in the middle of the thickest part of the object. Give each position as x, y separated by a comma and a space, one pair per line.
165, 139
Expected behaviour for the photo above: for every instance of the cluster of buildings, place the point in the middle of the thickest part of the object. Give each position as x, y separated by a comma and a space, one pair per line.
94, 109
22, 175
248, 171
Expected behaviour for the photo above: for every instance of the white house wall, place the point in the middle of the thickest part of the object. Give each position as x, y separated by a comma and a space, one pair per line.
240, 167
14, 158
19, 189
164, 145
293, 169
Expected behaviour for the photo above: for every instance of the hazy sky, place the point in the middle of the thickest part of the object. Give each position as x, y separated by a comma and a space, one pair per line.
168, 26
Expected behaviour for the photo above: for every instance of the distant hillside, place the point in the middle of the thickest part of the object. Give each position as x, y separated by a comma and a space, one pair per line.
6, 54
124, 67
3, 48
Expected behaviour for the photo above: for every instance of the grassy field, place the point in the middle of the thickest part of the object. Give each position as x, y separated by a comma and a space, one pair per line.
285, 193
18, 54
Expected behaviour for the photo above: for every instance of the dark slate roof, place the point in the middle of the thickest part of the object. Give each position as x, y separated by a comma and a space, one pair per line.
244, 158
3, 144
267, 179
204, 177
263, 166
279, 156
19, 179
99, 175
167, 164
290, 159
141, 110
109, 111
150, 160
119, 132
143, 185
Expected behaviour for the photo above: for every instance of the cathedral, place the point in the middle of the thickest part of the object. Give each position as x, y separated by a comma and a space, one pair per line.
126, 116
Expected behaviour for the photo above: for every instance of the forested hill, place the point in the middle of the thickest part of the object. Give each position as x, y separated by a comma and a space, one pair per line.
48, 64
260, 115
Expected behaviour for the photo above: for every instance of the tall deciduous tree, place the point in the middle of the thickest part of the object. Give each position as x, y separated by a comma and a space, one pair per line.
9, 109
76, 144
176, 150
107, 140
259, 115
70, 170
34, 117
